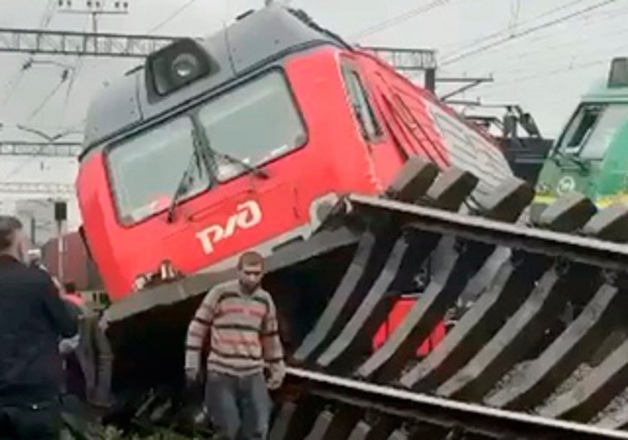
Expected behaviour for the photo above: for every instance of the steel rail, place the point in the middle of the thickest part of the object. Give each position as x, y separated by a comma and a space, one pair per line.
577, 248
476, 416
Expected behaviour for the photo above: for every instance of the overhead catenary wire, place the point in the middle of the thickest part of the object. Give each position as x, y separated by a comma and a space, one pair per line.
64, 77
172, 16
13, 83
399, 19
74, 74
40, 107
533, 62
515, 9
507, 30
527, 31
538, 54
70, 73
516, 73
517, 85
546, 74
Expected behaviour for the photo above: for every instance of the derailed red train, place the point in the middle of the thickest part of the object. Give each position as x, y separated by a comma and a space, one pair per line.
246, 140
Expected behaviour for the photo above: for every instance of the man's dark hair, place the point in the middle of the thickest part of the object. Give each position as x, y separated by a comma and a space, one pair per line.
8, 226
250, 258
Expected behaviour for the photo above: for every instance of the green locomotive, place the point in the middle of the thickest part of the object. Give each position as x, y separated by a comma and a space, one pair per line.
591, 154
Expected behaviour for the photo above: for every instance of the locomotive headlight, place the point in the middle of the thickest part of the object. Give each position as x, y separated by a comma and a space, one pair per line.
185, 65
176, 66
140, 282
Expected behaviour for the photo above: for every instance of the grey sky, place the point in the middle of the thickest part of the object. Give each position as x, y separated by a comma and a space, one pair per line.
545, 71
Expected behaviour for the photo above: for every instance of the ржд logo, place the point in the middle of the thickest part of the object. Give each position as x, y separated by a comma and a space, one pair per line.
247, 215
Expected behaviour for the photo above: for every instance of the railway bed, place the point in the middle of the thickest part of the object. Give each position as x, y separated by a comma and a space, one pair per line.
335, 407
318, 406
539, 347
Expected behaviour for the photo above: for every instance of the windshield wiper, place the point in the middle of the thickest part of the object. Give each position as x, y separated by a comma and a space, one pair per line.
186, 178
251, 168
575, 160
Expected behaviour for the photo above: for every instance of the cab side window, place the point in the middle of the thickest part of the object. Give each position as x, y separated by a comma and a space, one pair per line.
369, 125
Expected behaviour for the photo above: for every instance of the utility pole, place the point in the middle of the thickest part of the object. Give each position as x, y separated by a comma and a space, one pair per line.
61, 216
33, 231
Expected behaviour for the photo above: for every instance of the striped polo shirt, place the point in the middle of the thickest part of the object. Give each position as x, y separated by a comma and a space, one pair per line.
243, 331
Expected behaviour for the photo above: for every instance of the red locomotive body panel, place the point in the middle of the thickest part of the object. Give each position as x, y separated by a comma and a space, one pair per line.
336, 158
398, 313
278, 120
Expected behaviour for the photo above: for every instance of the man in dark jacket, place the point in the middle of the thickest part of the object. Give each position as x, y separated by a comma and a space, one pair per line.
33, 319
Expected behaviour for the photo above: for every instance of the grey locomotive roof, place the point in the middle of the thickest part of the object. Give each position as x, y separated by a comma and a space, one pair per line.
253, 40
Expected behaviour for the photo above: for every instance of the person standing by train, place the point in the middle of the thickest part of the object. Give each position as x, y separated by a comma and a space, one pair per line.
33, 319
73, 295
245, 352
73, 365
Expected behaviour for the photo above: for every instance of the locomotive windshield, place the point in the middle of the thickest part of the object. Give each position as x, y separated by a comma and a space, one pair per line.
146, 169
592, 129
253, 124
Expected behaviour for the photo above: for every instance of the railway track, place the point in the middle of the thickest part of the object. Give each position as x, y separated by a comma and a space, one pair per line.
335, 407
539, 347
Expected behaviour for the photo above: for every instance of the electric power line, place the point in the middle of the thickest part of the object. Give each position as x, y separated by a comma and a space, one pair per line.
172, 16
43, 23
508, 29
515, 9
64, 77
75, 72
399, 19
571, 68
19, 167
533, 58
528, 31
575, 60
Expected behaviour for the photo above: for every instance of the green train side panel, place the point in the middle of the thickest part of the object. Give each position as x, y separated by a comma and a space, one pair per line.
591, 154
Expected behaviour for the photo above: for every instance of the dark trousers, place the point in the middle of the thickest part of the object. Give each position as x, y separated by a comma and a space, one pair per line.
31, 422
238, 406
74, 377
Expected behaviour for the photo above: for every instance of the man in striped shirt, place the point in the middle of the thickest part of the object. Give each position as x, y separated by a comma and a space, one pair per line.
245, 352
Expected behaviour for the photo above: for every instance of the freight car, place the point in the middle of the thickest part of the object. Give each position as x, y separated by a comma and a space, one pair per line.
71, 262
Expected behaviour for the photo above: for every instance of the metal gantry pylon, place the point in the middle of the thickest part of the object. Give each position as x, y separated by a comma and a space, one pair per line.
108, 45
40, 149
47, 188
120, 45
48, 42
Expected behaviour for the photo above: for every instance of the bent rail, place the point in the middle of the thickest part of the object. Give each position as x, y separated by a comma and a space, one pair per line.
541, 331
539, 347
420, 408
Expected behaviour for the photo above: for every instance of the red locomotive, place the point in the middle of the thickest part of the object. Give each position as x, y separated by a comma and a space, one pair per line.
305, 119
245, 140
